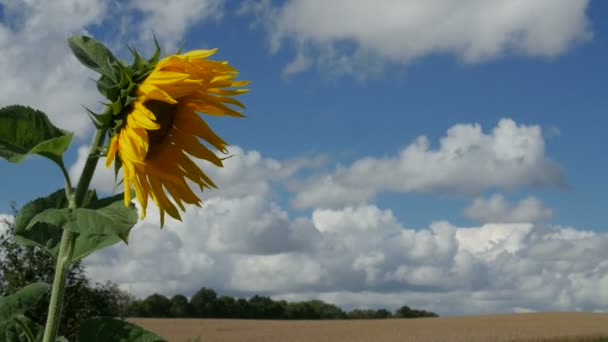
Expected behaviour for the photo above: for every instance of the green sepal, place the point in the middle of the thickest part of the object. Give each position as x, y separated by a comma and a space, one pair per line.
25, 131
99, 120
108, 88
94, 55
111, 329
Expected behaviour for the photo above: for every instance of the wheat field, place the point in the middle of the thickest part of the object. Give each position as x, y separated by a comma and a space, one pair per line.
566, 326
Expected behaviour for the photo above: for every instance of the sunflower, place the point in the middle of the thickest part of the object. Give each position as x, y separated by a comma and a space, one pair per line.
159, 137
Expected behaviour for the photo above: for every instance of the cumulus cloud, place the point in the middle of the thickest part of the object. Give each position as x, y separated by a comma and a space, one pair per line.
355, 37
37, 68
242, 241
362, 256
497, 209
467, 161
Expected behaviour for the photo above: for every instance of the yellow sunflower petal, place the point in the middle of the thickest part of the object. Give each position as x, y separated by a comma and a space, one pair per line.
157, 144
112, 150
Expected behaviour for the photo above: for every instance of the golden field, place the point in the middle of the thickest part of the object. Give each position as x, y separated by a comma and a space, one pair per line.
571, 326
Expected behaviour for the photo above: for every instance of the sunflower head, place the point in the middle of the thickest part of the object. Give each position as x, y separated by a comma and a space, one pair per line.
157, 132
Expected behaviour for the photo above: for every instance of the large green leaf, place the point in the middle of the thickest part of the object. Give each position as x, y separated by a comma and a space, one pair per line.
94, 55
110, 329
114, 218
102, 223
24, 131
20, 302
21, 329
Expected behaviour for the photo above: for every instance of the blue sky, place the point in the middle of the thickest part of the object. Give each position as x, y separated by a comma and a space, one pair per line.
339, 92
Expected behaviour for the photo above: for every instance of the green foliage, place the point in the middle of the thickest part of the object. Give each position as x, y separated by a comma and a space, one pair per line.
203, 302
180, 307
109, 329
25, 131
101, 223
369, 314
22, 300
157, 305
206, 304
114, 219
20, 329
23, 265
226, 307
14, 326
407, 312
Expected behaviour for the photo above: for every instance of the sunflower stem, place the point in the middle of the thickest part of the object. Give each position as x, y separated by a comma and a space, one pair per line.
68, 240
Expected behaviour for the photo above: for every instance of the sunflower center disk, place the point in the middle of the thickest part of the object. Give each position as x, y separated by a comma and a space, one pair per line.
165, 115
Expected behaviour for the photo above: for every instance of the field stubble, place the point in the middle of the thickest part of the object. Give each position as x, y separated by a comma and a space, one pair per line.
533, 327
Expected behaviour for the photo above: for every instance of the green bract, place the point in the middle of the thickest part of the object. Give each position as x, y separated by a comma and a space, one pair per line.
118, 80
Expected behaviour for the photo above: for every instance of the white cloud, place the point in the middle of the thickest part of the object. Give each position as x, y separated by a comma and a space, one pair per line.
37, 68
467, 161
497, 209
355, 37
244, 242
170, 20
361, 256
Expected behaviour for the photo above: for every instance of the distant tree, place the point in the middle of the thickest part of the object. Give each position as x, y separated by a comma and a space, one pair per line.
203, 303
407, 312
362, 314
266, 308
226, 307
300, 310
322, 310
180, 307
156, 305
136, 309
242, 309
383, 313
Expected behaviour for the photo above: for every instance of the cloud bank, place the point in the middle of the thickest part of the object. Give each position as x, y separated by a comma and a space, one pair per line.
244, 240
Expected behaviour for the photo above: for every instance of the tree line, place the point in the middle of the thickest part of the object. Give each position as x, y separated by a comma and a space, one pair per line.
205, 303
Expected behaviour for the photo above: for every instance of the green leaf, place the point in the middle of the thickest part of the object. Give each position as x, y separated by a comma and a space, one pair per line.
30, 229
110, 329
20, 329
24, 131
20, 302
94, 55
114, 218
